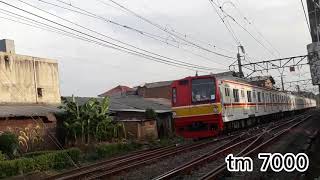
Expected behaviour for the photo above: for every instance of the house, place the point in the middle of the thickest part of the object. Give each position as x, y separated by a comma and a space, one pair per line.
27, 79
131, 111
160, 89
263, 81
117, 91
29, 91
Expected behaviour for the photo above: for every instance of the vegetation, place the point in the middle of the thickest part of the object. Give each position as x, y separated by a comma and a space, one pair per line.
53, 160
90, 122
2, 156
108, 150
9, 144
30, 139
151, 114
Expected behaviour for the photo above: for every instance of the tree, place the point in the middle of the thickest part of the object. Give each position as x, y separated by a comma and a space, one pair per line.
90, 121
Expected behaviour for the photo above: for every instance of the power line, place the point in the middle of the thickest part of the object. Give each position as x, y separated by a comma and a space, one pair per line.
118, 47
233, 19
237, 41
169, 32
305, 15
72, 35
149, 35
246, 19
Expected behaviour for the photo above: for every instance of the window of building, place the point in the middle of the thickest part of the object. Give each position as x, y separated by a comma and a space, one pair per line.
249, 96
7, 62
236, 95
259, 96
227, 92
174, 95
203, 90
40, 92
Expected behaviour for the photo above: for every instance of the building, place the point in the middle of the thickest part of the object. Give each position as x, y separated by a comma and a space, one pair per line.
131, 111
27, 79
263, 81
29, 94
117, 91
155, 90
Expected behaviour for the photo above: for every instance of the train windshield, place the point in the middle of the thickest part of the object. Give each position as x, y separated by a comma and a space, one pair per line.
203, 90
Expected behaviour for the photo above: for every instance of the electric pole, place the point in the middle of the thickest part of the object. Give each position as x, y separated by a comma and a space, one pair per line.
239, 60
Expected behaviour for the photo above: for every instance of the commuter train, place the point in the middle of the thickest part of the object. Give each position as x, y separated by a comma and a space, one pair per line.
205, 106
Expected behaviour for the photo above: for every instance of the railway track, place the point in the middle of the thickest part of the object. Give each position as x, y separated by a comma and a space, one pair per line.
118, 164
239, 141
244, 147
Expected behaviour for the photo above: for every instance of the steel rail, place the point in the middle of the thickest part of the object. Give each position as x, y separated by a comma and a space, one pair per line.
111, 164
216, 172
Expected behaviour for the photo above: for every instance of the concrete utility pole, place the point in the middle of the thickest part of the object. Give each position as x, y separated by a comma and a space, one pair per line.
239, 60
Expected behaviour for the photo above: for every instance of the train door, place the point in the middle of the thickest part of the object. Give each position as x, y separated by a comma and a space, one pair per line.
243, 101
227, 102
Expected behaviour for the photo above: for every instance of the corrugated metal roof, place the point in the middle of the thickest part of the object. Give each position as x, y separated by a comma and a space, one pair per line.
132, 103
27, 110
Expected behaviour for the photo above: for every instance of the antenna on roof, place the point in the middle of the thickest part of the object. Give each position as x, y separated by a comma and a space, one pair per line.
196, 73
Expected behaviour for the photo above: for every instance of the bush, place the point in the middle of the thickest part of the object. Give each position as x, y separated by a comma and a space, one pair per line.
9, 143
52, 160
151, 114
36, 153
2, 156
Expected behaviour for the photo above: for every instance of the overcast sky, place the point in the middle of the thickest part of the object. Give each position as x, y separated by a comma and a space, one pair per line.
88, 69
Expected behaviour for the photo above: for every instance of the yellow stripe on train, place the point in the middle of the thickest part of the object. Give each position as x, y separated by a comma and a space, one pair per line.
197, 110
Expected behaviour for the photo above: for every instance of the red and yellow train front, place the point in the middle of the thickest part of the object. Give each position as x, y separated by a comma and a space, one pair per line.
197, 107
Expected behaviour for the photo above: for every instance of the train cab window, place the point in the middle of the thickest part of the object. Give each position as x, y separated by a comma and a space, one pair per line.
227, 92
236, 95
183, 82
259, 96
203, 90
249, 96
174, 95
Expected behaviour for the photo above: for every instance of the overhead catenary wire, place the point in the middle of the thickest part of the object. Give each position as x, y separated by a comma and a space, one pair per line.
149, 35
242, 27
118, 47
246, 19
83, 27
169, 32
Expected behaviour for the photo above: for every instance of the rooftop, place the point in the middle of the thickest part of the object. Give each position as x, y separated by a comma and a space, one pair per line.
131, 103
13, 110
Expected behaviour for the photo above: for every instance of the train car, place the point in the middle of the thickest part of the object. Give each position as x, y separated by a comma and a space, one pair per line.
205, 106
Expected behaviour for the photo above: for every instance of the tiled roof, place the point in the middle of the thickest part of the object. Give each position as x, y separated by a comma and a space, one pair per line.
117, 90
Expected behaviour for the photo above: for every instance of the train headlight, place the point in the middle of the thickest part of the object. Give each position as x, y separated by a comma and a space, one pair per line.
215, 109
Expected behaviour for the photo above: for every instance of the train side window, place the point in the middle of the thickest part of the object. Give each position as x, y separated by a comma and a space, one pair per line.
259, 96
227, 92
254, 96
262, 97
249, 96
236, 95
242, 93
174, 95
